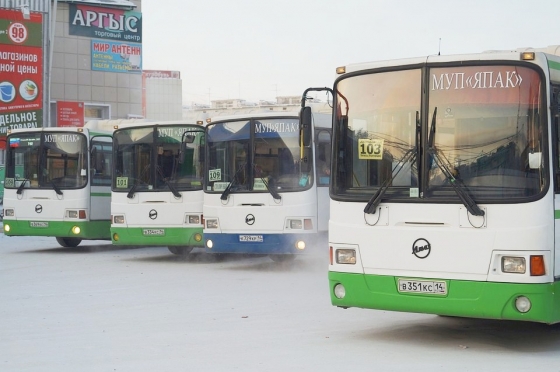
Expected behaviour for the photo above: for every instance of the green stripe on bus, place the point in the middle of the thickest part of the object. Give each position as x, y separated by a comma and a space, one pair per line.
88, 229
175, 236
557, 214
471, 299
554, 65
101, 194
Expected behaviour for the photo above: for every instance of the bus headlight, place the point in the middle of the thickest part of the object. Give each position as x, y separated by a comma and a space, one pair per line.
7, 227
81, 214
295, 224
339, 291
197, 237
76, 230
116, 237
192, 219
522, 304
513, 265
209, 244
118, 219
212, 224
9, 212
300, 244
346, 256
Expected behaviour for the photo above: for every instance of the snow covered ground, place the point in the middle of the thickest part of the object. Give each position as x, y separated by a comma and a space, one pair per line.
103, 308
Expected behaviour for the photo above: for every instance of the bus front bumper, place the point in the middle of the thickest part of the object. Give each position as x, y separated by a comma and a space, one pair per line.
64, 229
488, 300
158, 236
252, 243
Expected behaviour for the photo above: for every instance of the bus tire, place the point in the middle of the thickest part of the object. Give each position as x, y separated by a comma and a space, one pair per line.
282, 257
69, 242
180, 251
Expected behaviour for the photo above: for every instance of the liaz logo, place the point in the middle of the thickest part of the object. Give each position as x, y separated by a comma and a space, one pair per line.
38, 208
421, 248
152, 214
250, 219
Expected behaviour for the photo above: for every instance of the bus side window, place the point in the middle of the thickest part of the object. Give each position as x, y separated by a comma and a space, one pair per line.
323, 161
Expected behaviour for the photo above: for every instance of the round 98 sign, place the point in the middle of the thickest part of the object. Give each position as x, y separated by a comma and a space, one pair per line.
17, 32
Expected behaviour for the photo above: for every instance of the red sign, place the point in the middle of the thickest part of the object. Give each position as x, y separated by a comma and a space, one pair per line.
21, 70
69, 114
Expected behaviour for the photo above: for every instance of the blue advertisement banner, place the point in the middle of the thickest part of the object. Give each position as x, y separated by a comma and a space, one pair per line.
116, 57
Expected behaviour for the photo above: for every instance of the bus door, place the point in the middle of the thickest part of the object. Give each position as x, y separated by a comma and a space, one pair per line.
100, 178
323, 172
555, 117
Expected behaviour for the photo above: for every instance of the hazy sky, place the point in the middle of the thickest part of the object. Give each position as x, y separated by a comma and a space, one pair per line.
256, 50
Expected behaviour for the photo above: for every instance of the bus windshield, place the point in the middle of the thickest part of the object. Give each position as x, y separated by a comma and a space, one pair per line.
480, 130
260, 155
158, 158
52, 160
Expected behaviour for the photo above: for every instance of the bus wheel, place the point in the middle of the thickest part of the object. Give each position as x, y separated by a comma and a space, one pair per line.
180, 251
282, 257
69, 242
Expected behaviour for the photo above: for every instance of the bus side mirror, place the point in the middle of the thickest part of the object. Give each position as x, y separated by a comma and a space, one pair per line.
305, 131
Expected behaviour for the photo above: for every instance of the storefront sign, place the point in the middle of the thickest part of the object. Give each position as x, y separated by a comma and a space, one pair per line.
161, 74
105, 23
21, 70
116, 57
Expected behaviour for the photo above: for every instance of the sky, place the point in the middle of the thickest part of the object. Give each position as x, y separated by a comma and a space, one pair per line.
258, 50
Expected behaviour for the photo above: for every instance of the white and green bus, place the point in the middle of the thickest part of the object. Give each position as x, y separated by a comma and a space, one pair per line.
58, 183
157, 186
445, 193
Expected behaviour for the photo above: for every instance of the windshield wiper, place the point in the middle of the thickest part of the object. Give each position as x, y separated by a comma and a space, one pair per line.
271, 190
233, 182
171, 187
458, 186
132, 190
21, 186
410, 156
373, 203
56, 188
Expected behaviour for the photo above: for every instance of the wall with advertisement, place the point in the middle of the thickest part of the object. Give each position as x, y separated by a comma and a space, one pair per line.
86, 66
21, 71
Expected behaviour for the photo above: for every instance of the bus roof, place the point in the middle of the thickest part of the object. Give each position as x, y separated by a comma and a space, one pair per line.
552, 53
321, 112
156, 122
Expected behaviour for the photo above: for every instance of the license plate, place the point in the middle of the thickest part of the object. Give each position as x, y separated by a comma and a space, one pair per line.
423, 286
39, 224
152, 232
251, 238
